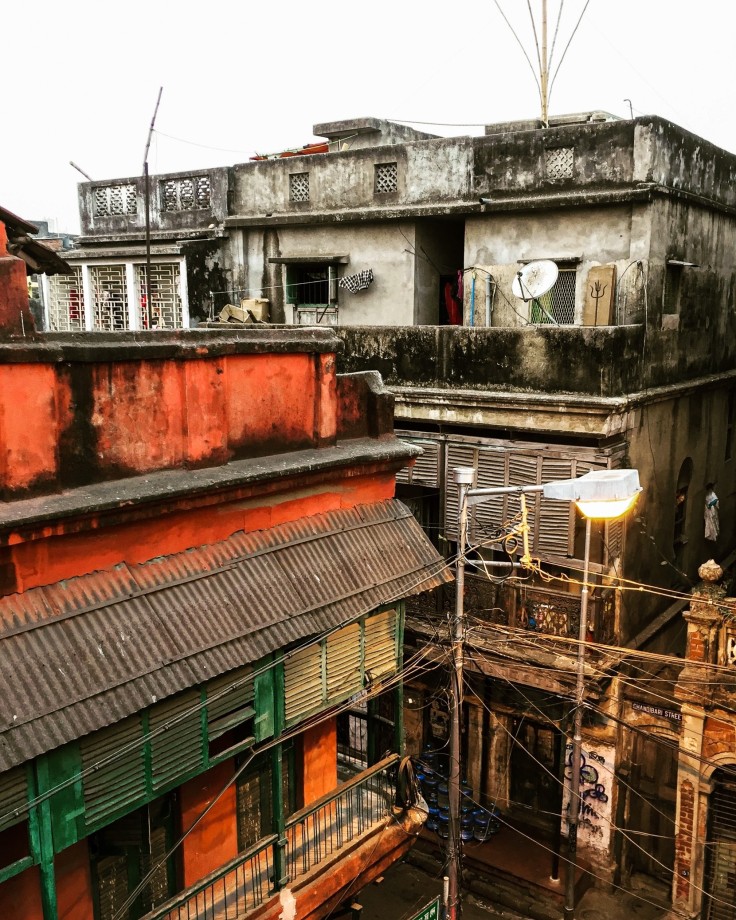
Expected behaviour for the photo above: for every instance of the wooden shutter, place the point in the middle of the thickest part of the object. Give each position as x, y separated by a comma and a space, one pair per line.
556, 532
458, 454
425, 471
177, 750
157, 887
13, 795
303, 683
227, 709
380, 644
488, 516
343, 663
118, 785
254, 804
524, 471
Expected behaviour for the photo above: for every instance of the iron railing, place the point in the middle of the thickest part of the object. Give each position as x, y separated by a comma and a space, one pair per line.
311, 835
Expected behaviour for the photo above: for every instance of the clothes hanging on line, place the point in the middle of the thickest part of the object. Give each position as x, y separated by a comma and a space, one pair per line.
357, 282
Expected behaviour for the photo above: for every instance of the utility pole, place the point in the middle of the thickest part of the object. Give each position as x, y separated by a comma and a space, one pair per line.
463, 479
148, 210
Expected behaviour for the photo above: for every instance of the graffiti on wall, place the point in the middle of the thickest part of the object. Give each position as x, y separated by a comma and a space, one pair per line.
595, 783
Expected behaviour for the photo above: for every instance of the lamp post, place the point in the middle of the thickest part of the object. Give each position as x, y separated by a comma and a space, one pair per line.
599, 495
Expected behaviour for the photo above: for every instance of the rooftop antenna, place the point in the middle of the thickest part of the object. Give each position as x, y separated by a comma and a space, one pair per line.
148, 210
80, 170
544, 60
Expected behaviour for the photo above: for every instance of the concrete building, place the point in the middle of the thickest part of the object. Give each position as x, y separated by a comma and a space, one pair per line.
408, 244
202, 582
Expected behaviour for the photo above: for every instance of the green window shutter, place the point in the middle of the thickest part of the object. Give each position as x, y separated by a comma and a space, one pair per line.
303, 683
381, 644
226, 708
13, 797
113, 786
265, 704
66, 807
176, 752
343, 663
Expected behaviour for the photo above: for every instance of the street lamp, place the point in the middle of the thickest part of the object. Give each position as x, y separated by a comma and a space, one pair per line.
599, 495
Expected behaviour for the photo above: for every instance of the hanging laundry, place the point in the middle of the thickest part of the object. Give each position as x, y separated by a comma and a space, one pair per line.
357, 282
712, 524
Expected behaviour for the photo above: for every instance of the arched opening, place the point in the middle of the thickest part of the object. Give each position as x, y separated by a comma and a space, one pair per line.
719, 902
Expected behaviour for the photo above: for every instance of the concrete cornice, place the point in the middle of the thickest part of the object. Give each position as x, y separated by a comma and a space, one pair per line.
134, 495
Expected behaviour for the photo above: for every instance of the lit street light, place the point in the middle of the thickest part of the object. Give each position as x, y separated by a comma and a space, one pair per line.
599, 495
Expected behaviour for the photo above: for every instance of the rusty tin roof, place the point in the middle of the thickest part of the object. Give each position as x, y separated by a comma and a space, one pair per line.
83, 653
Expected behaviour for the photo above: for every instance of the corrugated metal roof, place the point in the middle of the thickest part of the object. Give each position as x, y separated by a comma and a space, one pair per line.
86, 652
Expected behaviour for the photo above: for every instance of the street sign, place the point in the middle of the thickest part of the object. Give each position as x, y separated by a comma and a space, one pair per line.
430, 912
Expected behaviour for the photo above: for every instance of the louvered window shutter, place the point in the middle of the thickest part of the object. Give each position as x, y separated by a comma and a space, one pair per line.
458, 454
177, 750
343, 663
227, 709
425, 471
303, 683
113, 786
489, 515
556, 518
380, 645
524, 471
13, 796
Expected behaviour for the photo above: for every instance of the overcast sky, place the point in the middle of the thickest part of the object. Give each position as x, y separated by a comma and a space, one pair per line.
81, 78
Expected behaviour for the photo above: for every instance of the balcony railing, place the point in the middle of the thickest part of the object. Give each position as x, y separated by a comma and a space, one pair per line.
311, 836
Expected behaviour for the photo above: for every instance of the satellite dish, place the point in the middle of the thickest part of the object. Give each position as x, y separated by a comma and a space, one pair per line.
535, 279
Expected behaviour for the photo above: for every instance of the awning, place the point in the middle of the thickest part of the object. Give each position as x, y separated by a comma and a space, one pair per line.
84, 653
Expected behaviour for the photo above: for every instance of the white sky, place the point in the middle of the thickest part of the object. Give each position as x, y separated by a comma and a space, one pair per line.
81, 78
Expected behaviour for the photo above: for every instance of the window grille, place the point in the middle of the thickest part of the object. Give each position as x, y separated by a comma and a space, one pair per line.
560, 163
166, 312
111, 200
386, 178
299, 186
191, 193
110, 298
66, 302
558, 304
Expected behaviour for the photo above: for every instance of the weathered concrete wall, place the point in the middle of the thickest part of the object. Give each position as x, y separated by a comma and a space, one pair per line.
161, 220
565, 359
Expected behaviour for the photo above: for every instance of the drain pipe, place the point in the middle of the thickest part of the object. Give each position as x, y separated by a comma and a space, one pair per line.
489, 302
472, 299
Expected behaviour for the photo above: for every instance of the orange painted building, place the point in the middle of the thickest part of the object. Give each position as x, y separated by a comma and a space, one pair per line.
202, 573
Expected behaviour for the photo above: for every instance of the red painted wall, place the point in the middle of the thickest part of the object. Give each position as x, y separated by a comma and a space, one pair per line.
214, 841
74, 883
319, 745
13, 292
76, 422
20, 896
46, 560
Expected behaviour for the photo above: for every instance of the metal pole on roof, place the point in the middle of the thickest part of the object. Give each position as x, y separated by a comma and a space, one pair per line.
147, 182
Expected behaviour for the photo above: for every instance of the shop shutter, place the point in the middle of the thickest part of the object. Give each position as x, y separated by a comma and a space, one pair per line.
555, 536
457, 454
343, 663
380, 644
226, 710
113, 786
13, 796
303, 683
177, 750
